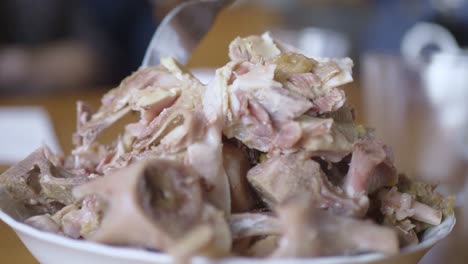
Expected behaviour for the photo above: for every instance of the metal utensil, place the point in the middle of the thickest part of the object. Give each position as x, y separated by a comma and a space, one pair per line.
182, 29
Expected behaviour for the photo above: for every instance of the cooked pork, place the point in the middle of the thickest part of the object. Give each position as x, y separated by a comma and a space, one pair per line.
236, 166
284, 176
264, 161
371, 168
40, 184
309, 232
164, 200
270, 98
403, 205
253, 224
263, 247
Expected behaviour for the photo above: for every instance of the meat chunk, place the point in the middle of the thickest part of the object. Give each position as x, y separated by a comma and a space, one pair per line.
311, 79
86, 159
404, 205
291, 64
82, 221
212, 238
174, 130
178, 123
256, 247
254, 234
156, 194
309, 232
371, 168
83, 115
181, 132
325, 72
331, 101
266, 89
40, 184
263, 115
253, 224
282, 177
263, 247
334, 72
115, 103
326, 138
406, 233
306, 84
165, 96
43, 222
281, 104
206, 158
258, 111
164, 200
253, 48
236, 166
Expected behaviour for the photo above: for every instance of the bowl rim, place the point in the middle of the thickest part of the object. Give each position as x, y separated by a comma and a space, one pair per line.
136, 254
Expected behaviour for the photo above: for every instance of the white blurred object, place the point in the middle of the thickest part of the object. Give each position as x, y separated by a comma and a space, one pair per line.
23, 130
424, 36
316, 42
443, 67
444, 72
446, 81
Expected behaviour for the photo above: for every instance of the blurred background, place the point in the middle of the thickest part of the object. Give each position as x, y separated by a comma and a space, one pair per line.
52, 45
411, 73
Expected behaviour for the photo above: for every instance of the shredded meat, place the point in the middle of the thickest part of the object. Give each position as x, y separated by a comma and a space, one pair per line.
309, 232
83, 221
165, 96
264, 161
43, 186
253, 224
263, 115
371, 168
236, 166
282, 177
163, 197
403, 205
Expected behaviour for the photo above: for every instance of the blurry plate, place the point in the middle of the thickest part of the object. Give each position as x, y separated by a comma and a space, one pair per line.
16, 139
51, 248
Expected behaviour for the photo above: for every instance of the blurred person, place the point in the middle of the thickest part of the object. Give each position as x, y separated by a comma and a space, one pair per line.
52, 45
390, 20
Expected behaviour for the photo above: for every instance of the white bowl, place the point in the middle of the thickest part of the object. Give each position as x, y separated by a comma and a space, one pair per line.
51, 248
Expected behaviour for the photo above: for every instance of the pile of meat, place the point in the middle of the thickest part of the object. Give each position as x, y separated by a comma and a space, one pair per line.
264, 161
